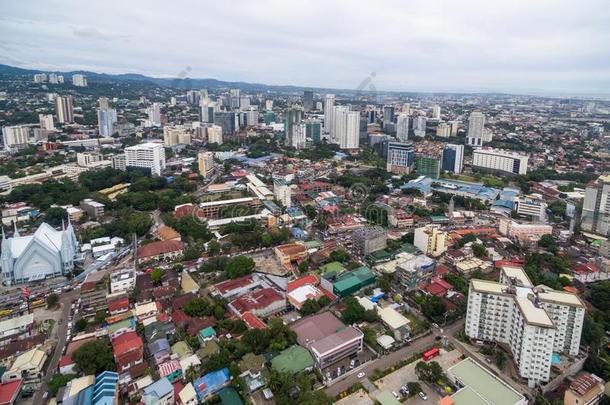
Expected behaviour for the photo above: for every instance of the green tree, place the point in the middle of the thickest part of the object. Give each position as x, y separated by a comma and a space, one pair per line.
58, 381
310, 307
157, 275
479, 250
599, 295
52, 300
198, 307
239, 266
94, 357
55, 216
213, 247
547, 242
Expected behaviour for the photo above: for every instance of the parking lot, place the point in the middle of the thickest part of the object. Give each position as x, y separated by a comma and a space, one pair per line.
359, 397
400, 377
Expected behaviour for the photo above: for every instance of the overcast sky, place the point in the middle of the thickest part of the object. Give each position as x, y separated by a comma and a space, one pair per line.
533, 46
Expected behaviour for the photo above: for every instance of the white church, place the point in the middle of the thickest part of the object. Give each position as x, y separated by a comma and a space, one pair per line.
44, 254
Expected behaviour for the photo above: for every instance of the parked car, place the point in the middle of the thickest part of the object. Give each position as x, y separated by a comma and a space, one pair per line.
395, 395
361, 374
423, 395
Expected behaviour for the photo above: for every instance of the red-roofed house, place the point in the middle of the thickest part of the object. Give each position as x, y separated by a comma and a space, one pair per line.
183, 210
262, 303
238, 286
161, 250
9, 392
588, 273
253, 321
118, 306
66, 365
128, 351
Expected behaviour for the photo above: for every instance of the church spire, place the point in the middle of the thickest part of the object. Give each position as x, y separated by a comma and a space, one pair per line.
16, 233
3, 236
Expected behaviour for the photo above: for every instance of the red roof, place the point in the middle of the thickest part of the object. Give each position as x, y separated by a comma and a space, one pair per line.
125, 360
253, 321
234, 284
442, 269
160, 247
179, 317
65, 361
127, 342
9, 391
257, 300
183, 210
196, 324
435, 289
584, 268
178, 386
310, 279
117, 305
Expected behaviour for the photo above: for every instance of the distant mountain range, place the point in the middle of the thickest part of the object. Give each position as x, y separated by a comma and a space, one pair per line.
185, 83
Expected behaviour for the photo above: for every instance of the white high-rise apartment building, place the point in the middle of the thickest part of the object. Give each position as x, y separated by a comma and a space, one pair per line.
431, 240
214, 133
596, 207
176, 135
40, 77
532, 205
149, 155
500, 160
63, 109
402, 127
534, 322
347, 128
476, 126
443, 130
269, 105
252, 116
419, 126
205, 162
106, 118
282, 192
154, 115
329, 105
406, 108
17, 136
54, 78
79, 80
436, 112
46, 122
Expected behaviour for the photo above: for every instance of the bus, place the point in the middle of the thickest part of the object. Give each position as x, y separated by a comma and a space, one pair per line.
430, 354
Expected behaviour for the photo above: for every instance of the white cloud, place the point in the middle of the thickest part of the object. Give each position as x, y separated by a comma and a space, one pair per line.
418, 45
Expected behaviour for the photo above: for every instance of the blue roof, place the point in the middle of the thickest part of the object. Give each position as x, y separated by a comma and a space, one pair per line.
158, 345
85, 396
159, 388
504, 204
426, 184
211, 383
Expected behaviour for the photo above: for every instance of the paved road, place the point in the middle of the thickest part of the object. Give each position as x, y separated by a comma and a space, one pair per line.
59, 335
390, 359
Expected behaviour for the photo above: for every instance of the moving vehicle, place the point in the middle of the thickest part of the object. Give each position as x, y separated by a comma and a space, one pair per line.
430, 354
361, 374
395, 395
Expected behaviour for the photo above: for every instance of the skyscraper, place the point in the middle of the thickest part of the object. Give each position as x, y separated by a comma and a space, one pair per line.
347, 128
419, 126
252, 116
207, 111
308, 100
46, 122
106, 118
388, 115
214, 134
596, 207
294, 133
154, 115
453, 158
150, 155
402, 127
313, 130
329, 104
234, 98
476, 125
436, 112
226, 120
205, 161
63, 109
79, 80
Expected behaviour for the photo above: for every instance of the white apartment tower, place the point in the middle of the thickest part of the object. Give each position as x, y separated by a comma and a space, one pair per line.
205, 162
214, 133
419, 126
282, 192
63, 109
436, 112
149, 155
154, 115
79, 80
431, 240
402, 127
534, 321
346, 128
476, 126
46, 122
329, 105
596, 207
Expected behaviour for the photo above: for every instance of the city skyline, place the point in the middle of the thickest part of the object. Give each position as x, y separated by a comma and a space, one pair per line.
467, 47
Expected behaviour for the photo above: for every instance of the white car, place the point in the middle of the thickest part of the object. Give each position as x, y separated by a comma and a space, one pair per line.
423, 396
395, 395
361, 374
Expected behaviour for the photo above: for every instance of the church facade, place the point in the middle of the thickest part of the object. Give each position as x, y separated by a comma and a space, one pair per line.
46, 253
